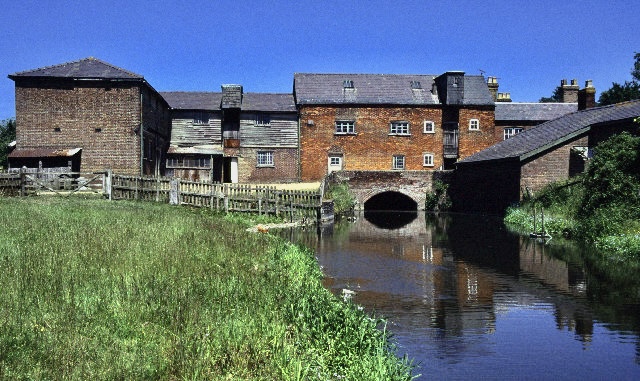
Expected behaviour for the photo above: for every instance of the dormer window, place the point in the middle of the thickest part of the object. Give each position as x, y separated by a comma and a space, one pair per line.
416, 85
347, 84
263, 119
201, 118
474, 125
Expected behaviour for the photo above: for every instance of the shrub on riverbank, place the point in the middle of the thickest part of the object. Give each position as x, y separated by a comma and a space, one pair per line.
119, 290
601, 207
343, 199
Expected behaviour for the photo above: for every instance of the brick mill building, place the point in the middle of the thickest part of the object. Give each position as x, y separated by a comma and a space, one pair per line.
90, 116
390, 122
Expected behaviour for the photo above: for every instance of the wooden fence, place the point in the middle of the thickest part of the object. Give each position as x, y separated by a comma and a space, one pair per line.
295, 205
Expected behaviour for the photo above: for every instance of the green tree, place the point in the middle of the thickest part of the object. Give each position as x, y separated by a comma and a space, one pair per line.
7, 135
623, 92
554, 98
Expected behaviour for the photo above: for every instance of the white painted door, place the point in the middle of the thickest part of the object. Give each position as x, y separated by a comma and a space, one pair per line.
334, 163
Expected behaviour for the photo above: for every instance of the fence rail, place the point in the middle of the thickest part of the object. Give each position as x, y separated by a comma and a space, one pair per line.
295, 205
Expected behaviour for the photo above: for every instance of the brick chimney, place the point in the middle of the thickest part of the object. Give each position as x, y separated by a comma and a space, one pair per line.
503, 97
569, 93
492, 83
587, 96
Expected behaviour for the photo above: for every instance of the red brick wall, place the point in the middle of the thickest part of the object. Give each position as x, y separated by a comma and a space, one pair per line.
284, 170
470, 141
100, 117
550, 167
372, 148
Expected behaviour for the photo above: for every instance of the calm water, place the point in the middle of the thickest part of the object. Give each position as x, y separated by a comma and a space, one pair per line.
467, 299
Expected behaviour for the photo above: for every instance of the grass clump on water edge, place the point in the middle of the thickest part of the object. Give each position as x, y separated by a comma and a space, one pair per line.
119, 290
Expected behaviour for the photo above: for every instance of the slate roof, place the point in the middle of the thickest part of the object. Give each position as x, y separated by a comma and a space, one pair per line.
532, 111
390, 89
555, 132
367, 89
193, 100
87, 68
476, 91
211, 101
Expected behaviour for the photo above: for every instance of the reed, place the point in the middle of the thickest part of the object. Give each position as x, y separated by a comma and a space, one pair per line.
121, 290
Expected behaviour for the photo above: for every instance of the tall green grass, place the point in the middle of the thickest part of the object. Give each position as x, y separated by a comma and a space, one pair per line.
117, 290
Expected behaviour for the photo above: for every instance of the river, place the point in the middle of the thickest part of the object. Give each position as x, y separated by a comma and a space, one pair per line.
467, 299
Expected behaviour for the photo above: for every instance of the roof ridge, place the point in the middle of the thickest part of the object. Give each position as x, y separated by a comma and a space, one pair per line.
92, 58
88, 59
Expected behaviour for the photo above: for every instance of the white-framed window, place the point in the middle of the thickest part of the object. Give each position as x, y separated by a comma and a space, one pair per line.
265, 159
427, 160
201, 118
345, 127
429, 127
474, 124
398, 162
399, 128
263, 119
335, 161
511, 131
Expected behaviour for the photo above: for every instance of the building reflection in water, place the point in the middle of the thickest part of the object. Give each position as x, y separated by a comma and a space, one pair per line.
449, 272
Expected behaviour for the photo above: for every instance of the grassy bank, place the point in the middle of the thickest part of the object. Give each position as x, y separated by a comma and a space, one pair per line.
99, 290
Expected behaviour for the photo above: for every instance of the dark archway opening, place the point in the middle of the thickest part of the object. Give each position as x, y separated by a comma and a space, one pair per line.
390, 210
390, 201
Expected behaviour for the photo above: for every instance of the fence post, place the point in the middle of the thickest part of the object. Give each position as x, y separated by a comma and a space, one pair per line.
226, 198
174, 192
23, 181
107, 183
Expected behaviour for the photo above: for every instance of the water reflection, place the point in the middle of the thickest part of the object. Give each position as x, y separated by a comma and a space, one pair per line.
468, 298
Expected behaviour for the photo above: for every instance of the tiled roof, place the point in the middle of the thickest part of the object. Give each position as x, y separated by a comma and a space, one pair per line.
555, 132
532, 111
87, 68
391, 89
195, 100
192, 100
476, 91
367, 89
268, 102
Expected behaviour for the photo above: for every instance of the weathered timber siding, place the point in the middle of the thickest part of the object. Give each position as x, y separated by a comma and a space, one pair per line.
282, 132
185, 133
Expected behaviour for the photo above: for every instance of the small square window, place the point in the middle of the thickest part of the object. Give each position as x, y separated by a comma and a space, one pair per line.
429, 127
98, 129
399, 128
427, 160
474, 124
334, 161
511, 131
398, 162
345, 127
56, 129
265, 159
263, 119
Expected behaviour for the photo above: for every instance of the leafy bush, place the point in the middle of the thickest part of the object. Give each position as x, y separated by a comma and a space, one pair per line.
343, 199
439, 198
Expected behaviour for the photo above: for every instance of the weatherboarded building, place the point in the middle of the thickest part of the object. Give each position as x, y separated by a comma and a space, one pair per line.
500, 175
390, 122
232, 136
89, 116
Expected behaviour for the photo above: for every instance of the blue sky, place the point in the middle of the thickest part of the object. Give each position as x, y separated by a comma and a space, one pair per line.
199, 45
